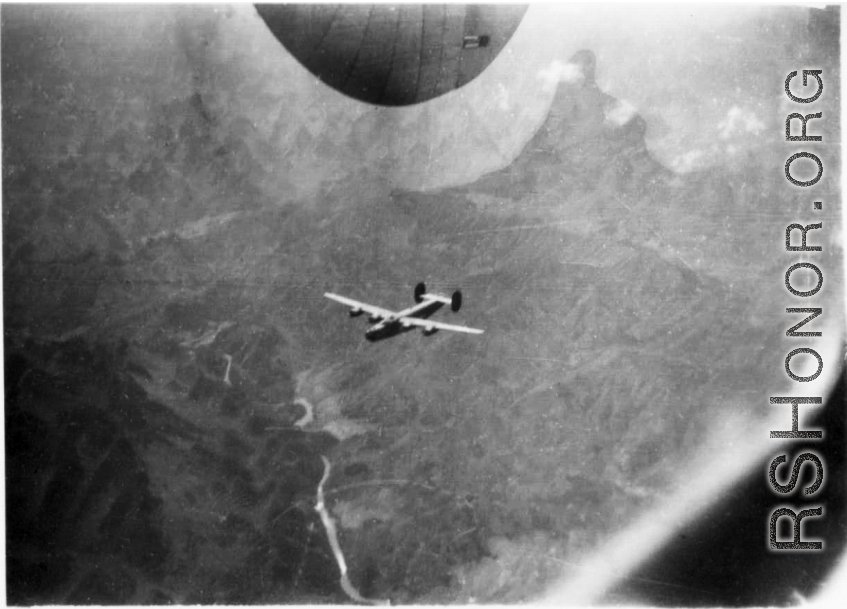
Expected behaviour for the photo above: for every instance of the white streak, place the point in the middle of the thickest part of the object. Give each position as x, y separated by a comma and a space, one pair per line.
228, 367
208, 337
310, 412
332, 535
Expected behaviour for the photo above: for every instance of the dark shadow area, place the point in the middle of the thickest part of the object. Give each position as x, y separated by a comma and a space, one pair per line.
724, 559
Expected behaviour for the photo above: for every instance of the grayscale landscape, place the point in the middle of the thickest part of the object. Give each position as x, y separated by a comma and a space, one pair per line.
178, 194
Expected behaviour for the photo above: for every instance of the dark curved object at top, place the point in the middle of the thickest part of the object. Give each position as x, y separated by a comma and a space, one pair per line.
393, 55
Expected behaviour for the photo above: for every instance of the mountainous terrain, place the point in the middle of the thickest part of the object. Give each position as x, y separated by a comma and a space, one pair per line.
174, 375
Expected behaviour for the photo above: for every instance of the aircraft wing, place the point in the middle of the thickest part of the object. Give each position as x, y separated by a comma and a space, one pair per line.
436, 325
355, 305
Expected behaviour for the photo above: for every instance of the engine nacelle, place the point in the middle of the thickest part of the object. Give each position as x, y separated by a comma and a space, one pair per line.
420, 290
456, 301
374, 319
355, 312
429, 330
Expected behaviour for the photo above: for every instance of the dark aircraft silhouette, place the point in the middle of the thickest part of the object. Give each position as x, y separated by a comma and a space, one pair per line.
390, 323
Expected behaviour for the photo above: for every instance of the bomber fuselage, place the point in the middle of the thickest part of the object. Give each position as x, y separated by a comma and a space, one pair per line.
392, 326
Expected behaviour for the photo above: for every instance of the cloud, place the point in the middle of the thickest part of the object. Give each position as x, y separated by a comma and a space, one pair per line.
739, 122
689, 161
557, 72
620, 113
734, 134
